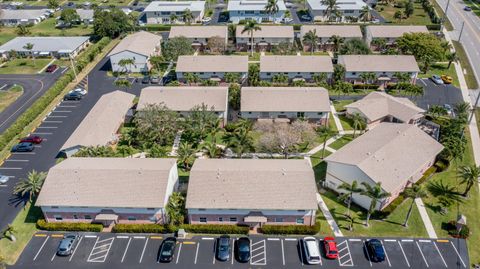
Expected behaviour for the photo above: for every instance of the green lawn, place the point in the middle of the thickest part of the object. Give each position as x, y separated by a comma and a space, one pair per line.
6, 35
24, 66
9, 96
331, 123
419, 15
315, 53
47, 28
441, 69
340, 104
24, 225
477, 116
319, 166
347, 123
467, 67
342, 141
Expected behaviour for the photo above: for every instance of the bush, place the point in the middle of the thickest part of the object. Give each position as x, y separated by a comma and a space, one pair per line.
291, 229
452, 230
390, 208
442, 165
143, 228
427, 175
365, 86
156, 27
215, 228
69, 226
434, 27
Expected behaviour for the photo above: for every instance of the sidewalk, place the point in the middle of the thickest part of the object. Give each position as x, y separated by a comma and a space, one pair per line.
426, 220
328, 216
336, 119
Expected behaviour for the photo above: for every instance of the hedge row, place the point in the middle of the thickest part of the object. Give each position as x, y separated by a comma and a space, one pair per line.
365, 86
42, 103
291, 229
69, 227
143, 228
215, 229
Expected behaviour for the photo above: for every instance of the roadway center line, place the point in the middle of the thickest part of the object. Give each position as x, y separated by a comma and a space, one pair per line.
38, 252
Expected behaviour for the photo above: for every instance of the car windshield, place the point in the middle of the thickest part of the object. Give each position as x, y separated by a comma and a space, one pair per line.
333, 252
63, 249
167, 249
243, 248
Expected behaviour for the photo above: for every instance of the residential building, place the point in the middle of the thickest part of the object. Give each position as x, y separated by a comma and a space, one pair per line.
183, 99
395, 155
383, 66
295, 67
378, 107
311, 103
199, 35
162, 12
139, 47
264, 39
390, 33
348, 10
325, 32
252, 192
46, 46
86, 15
108, 190
100, 126
13, 17
239, 10
213, 67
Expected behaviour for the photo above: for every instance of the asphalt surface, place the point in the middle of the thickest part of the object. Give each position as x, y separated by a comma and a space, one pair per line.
34, 86
100, 250
437, 94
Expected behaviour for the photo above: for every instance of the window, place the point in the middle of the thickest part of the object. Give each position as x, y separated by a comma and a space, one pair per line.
220, 219
201, 73
268, 73
88, 217
75, 216
354, 73
319, 113
58, 217
150, 208
233, 219
201, 209
54, 206
300, 114
249, 12
300, 210
300, 221
132, 218
204, 220
165, 13
278, 219
249, 112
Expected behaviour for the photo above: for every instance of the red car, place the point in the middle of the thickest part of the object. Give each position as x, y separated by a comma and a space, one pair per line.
331, 251
51, 68
32, 139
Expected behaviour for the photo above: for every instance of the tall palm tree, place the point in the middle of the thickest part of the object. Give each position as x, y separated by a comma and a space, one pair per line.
250, 27
331, 10
451, 57
358, 122
351, 190
173, 18
126, 64
325, 133
187, 16
272, 8
470, 175
311, 39
29, 47
186, 155
376, 194
366, 14
414, 192
31, 185
336, 41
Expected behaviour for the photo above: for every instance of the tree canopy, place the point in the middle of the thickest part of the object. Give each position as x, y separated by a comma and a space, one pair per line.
174, 47
111, 23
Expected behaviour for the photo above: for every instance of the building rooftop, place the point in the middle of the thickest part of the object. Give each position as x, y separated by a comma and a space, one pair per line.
275, 31
21, 14
85, 14
65, 44
294, 63
144, 43
348, 31
198, 31
378, 63
263, 184
379, 31
390, 153
212, 63
252, 5
178, 6
184, 98
341, 4
107, 182
290, 99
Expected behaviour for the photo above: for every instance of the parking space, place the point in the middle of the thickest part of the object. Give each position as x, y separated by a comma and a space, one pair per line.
437, 94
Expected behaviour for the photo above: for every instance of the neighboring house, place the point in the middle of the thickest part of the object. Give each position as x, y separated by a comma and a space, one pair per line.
395, 155
161, 12
100, 126
295, 67
212, 67
251, 192
13, 17
325, 32
311, 103
265, 38
379, 107
86, 15
183, 99
348, 10
139, 47
108, 190
46, 46
239, 10
390, 33
199, 35
383, 66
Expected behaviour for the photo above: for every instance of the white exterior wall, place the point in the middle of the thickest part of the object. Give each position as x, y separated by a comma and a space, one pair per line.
289, 115
292, 75
208, 75
319, 15
355, 76
260, 16
141, 62
172, 183
270, 40
163, 17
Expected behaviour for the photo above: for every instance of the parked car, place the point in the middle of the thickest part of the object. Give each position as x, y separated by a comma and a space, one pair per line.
436, 79
288, 4
4, 179
67, 245
51, 68
375, 250
287, 20
467, 8
145, 80
75, 96
35, 139
447, 79
330, 247
306, 17
449, 109
167, 250
206, 20
23, 147
71, 4
243, 249
154, 80
311, 250
80, 91
223, 248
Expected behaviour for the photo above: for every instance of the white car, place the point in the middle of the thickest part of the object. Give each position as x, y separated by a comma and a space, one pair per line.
4, 179
287, 20
306, 17
206, 20
80, 91
311, 250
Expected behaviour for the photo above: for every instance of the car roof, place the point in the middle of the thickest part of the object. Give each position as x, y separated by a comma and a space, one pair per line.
312, 248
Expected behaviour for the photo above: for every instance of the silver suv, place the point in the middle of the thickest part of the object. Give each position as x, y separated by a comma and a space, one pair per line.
67, 245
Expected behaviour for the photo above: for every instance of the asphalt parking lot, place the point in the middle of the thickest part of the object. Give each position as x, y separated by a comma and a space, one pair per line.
106, 250
438, 94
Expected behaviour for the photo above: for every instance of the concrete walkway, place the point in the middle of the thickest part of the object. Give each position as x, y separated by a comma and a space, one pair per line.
336, 119
425, 218
328, 216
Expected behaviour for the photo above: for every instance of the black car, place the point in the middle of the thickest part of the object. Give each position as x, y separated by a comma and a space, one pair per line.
223, 248
375, 250
23, 147
167, 249
145, 80
243, 249
75, 96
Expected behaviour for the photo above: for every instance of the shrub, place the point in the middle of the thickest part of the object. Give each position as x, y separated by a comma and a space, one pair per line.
69, 226
143, 228
453, 232
390, 208
427, 175
155, 27
434, 27
215, 228
365, 86
442, 165
291, 229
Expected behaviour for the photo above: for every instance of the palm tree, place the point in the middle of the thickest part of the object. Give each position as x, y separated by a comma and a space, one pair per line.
436, 111
331, 9
462, 110
325, 133
176, 208
30, 186
351, 190
311, 39
123, 83
173, 18
126, 62
376, 194
125, 150
398, 15
211, 150
451, 57
358, 122
414, 192
187, 16
22, 30
379, 43
445, 46
29, 47
470, 175
191, 78
336, 41
186, 155
272, 8
250, 27
366, 14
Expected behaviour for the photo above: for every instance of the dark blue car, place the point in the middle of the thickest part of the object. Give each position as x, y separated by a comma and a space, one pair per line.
23, 147
375, 250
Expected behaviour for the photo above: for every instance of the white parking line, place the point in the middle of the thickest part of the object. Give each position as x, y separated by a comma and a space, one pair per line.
139, 237
53, 257
50, 116
386, 254
273, 239
47, 127
425, 84
207, 238
458, 254
196, 253
233, 244
38, 252
143, 251
17, 160
424, 241
436, 247
354, 240
349, 260
180, 250
75, 250
4, 85
283, 253
125, 253
407, 240
65, 106
40, 133
405, 256
11, 168
23, 153
122, 237
290, 239
366, 251
423, 256
90, 236
390, 240
52, 121
260, 248
102, 249
63, 111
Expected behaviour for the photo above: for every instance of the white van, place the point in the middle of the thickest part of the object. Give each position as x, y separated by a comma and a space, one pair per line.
311, 250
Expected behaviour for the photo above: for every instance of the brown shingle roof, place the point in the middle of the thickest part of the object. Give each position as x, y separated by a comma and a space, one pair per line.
348, 31
294, 63
215, 63
275, 31
385, 31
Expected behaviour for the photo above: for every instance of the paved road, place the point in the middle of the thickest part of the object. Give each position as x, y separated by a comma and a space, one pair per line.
140, 251
34, 86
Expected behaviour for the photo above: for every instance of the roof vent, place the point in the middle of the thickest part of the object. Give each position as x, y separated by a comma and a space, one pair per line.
368, 153
284, 172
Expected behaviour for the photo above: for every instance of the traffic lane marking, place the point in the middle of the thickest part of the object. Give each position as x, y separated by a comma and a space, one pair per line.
344, 255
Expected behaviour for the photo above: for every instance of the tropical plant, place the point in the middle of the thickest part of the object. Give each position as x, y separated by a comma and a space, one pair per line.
311, 39
187, 16
280, 78
31, 185
125, 150
29, 48
470, 175
409, 9
379, 43
375, 194
232, 77
325, 133
358, 123
366, 14
331, 9
253, 74
398, 15
445, 193
320, 78
462, 110
176, 208
9, 233
123, 83
272, 8
343, 87
22, 30
157, 151
336, 42
185, 155
250, 27
126, 65
53, 4
173, 18
436, 111
234, 96
451, 57
339, 73
367, 77
445, 46
211, 150
350, 189
354, 46
191, 78
413, 192
156, 124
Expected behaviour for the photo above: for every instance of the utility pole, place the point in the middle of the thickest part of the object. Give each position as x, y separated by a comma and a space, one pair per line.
73, 67
461, 31
444, 16
473, 108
